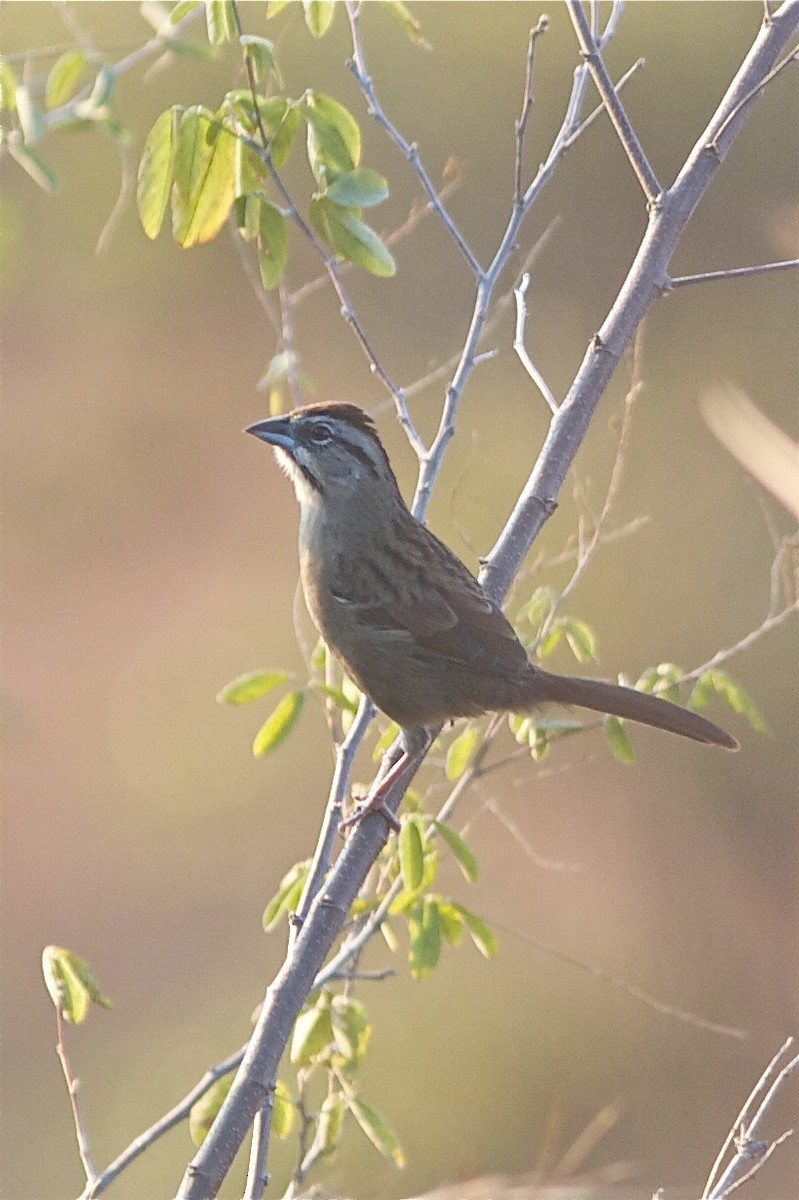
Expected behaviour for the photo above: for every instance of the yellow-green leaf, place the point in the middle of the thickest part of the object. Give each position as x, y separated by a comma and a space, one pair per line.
318, 15
205, 167
31, 118
272, 245
8, 88
154, 181
411, 854
62, 82
377, 1131
279, 725
313, 1033
352, 238
262, 57
732, 692
284, 1112
203, 1111
182, 9
220, 21
461, 750
361, 188
246, 688
407, 20
351, 1029
581, 639
462, 853
287, 896
334, 137
71, 984
618, 741
479, 932
424, 931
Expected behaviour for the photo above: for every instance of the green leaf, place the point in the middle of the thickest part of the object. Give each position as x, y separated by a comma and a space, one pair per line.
550, 642
279, 725
313, 1033
154, 181
461, 751
287, 897
103, 89
272, 245
62, 82
31, 118
407, 20
204, 178
481, 935
617, 739
220, 21
338, 696
462, 853
318, 15
662, 680
451, 923
361, 188
274, 7
8, 88
540, 605
262, 57
351, 238
203, 1113
34, 165
377, 1131
284, 1112
182, 9
411, 854
424, 930
334, 138
328, 1131
732, 692
71, 985
581, 639
351, 1029
246, 688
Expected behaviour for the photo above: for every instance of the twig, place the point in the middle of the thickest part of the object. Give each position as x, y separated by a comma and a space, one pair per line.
174, 1117
527, 103
753, 95
518, 344
671, 285
610, 98
408, 149
73, 1086
743, 1130
257, 1174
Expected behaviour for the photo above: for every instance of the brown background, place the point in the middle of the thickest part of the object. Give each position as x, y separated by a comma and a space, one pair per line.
150, 557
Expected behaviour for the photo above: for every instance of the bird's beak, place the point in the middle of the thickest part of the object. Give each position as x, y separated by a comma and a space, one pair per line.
275, 430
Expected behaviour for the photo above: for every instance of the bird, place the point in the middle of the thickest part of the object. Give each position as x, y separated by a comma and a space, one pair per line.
407, 620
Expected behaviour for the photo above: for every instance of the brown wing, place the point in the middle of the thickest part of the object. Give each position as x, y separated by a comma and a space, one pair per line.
434, 602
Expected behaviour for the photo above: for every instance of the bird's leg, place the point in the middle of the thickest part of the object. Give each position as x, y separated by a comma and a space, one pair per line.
412, 742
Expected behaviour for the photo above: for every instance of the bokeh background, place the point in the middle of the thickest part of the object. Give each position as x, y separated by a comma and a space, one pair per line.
150, 557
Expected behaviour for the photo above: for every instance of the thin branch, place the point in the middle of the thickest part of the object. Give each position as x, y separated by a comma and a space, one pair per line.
610, 98
754, 94
518, 344
733, 273
73, 1086
174, 1117
527, 103
408, 149
257, 1174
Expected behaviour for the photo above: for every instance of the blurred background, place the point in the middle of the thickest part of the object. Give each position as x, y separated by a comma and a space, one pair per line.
150, 557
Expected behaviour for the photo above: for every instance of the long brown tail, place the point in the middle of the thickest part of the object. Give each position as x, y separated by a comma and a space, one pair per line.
620, 701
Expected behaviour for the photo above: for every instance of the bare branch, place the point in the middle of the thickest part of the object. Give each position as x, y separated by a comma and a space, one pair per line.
527, 102
519, 347
73, 1085
733, 273
610, 98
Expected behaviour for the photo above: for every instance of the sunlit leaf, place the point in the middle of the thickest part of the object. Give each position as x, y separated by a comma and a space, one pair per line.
318, 15
424, 931
62, 82
361, 188
182, 10
462, 853
284, 1112
246, 688
732, 692
287, 896
71, 984
272, 245
262, 57
154, 181
377, 1131
220, 21
351, 1028
279, 725
334, 137
31, 118
351, 238
409, 23
461, 751
451, 923
204, 178
203, 1112
481, 935
617, 739
411, 854
581, 639
8, 88
313, 1033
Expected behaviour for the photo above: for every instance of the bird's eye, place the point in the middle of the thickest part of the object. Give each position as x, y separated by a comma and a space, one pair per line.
320, 434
